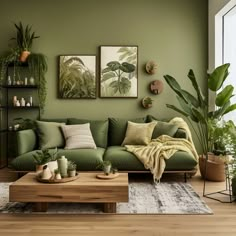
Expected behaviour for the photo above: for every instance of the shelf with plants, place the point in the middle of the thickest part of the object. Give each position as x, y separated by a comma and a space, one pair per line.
19, 66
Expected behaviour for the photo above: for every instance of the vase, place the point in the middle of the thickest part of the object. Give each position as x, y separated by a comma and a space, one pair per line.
46, 173
52, 165
62, 166
31, 81
58, 176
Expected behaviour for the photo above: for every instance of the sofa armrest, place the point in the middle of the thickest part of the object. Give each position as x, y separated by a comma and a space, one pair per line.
180, 133
26, 141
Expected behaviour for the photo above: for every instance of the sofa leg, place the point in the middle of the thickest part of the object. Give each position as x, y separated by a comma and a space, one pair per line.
185, 177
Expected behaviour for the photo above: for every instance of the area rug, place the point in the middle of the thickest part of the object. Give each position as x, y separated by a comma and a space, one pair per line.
144, 198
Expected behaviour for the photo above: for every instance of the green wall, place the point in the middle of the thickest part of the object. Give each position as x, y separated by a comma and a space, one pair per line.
171, 32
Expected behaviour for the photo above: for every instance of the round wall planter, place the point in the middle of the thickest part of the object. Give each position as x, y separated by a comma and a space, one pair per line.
156, 87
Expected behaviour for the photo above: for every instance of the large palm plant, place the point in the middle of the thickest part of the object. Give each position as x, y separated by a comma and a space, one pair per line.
195, 107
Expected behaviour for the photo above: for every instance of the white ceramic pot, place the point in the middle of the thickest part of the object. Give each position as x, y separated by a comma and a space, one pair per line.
58, 176
107, 170
72, 173
52, 165
46, 174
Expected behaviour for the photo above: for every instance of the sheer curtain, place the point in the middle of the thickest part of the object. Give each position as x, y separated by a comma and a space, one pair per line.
229, 53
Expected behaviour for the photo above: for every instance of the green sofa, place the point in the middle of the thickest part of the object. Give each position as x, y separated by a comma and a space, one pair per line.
108, 136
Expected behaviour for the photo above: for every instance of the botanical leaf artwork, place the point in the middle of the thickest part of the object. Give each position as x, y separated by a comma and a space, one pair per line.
77, 77
118, 71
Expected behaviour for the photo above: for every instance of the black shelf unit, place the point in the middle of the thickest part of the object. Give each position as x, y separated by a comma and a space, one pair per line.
8, 112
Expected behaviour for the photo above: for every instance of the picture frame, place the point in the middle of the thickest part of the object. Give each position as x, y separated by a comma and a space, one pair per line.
118, 72
77, 77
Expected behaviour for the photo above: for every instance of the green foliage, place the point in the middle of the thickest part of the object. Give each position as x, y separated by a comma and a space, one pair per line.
221, 137
71, 166
102, 165
76, 80
56, 171
38, 67
195, 108
44, 156
24, 123
24, 38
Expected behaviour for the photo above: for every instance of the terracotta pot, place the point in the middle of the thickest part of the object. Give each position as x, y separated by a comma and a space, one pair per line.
24, 55
215, 168
39, 168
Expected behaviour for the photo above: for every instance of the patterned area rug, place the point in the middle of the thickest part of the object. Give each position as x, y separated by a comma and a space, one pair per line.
144, 198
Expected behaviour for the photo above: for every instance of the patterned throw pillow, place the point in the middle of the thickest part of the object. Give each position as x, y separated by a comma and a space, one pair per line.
138, 134
78, 136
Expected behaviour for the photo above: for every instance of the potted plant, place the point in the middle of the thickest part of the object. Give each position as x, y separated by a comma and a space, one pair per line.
106, 166
195, 108
42, 158
71, 168
147, 102
24, 39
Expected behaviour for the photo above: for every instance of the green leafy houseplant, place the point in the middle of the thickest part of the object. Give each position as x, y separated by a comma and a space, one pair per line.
71, 166
24, 37
44, 156
36, 61
195, 108
147, 102
106, 166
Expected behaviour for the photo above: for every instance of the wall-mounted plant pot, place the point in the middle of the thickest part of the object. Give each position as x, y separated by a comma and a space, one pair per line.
24, 55
147, 102
151, 67
156, 87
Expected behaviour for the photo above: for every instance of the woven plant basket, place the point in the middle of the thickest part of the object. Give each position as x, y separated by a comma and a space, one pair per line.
215, 168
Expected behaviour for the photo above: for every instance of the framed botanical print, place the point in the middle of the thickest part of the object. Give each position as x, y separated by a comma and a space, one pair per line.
77, 76
118, 72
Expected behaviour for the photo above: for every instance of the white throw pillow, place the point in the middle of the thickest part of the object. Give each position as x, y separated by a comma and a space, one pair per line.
78, 136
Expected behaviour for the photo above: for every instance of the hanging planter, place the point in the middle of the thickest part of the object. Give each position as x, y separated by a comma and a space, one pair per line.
24, 56
147, 102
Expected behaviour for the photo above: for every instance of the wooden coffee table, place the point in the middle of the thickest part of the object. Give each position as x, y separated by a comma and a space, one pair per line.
87, 188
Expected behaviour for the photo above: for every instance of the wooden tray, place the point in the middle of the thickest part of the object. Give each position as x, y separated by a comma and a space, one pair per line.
110, 176
56, 181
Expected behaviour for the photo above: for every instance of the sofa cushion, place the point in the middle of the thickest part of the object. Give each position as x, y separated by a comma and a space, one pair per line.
138, 134
85, 159
58, 120
99, 129
117, 129
50, 134
123, 160
78, 136
162, 128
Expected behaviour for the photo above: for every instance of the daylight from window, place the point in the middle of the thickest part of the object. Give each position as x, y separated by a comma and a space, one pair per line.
229, 52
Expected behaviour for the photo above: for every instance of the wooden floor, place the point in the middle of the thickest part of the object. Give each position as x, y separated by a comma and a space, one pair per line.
222, 223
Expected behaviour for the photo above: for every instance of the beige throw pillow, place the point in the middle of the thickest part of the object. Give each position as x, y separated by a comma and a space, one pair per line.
78, 136
138, 134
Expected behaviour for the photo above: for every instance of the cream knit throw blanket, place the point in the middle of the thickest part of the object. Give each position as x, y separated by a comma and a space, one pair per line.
153, 155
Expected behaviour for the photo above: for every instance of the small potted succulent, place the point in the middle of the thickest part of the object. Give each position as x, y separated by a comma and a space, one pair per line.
106, 166
71, 168
147, 102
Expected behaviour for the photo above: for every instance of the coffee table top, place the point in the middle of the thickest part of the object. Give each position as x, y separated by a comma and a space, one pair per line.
88, 179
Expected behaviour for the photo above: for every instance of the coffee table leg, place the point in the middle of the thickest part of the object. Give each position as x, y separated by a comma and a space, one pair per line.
110, 207
40, 206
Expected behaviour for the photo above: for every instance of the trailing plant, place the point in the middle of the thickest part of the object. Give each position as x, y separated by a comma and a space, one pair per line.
24, 123
24, 37
195, 107
76, 80
38, 67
